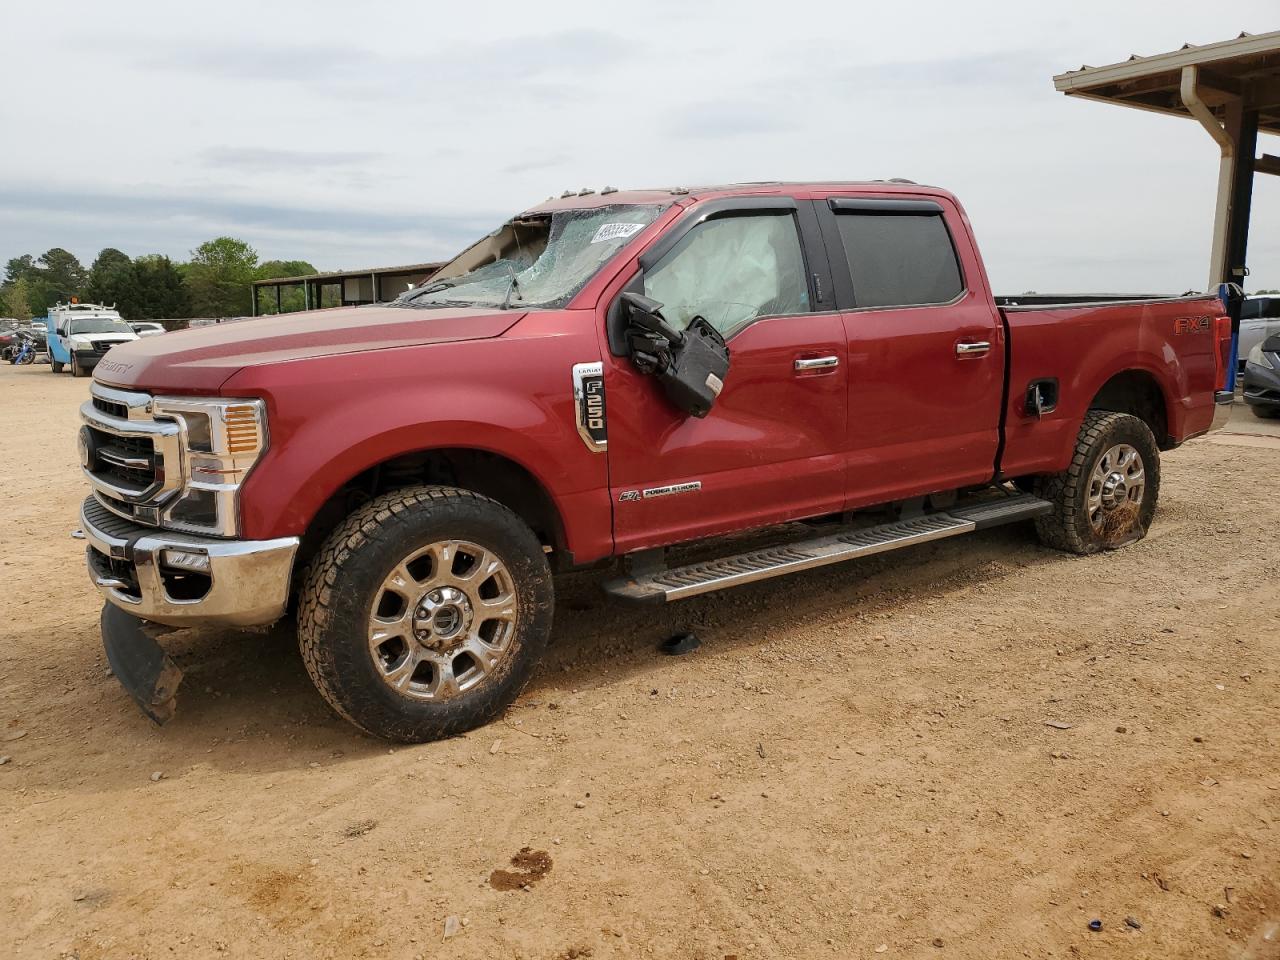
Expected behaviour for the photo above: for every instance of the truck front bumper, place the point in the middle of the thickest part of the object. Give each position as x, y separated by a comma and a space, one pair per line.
88, 359
183, 580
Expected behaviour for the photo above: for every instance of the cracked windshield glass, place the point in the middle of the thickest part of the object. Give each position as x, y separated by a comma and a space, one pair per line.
540, 260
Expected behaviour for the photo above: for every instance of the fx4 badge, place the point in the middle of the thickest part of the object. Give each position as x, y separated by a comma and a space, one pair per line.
588, 405
630, 496
1191, 325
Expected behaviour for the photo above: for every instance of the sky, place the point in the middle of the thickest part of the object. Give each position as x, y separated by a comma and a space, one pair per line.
384, 133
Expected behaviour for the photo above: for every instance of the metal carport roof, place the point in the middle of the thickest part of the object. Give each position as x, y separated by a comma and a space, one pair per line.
1232, 89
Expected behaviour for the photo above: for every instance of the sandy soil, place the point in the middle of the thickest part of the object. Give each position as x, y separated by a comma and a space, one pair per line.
856, 763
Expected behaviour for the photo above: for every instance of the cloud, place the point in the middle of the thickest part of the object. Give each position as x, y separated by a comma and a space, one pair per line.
720, 119
1005, 69
533, 163
176, 223
547, 67
264, 160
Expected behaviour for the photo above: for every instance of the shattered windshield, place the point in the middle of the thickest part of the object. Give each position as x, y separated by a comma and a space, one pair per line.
539, 260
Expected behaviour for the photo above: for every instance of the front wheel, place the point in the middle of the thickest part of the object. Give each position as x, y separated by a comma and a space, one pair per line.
1265, 413
1107, 496
76, 369
425, 613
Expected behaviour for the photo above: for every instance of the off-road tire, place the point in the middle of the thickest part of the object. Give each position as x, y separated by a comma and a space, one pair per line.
57, 365
76, 369
1067, 527
341, 583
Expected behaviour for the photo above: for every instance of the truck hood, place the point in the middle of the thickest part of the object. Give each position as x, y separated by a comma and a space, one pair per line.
201, 360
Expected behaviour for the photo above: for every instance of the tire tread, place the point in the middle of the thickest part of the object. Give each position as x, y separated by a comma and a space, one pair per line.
316, 601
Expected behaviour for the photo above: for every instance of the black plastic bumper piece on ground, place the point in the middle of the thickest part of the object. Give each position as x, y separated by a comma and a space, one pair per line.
140, 663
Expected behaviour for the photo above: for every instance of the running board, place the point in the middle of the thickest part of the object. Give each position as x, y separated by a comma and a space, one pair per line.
678, 583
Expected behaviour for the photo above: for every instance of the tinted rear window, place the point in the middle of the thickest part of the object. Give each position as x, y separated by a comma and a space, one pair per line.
900, 260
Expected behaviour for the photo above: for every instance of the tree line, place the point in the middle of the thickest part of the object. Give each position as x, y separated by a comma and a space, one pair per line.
215, 282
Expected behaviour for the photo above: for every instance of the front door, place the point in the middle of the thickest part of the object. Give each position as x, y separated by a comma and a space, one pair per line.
926, 346
771, 447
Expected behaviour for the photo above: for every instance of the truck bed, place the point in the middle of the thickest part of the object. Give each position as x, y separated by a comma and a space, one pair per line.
1164, 346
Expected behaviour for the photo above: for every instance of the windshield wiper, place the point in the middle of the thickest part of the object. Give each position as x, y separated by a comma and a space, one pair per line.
512, 287
431, 288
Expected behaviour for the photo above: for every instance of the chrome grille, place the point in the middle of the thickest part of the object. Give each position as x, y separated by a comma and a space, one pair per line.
136, 459
128, 462
111, 408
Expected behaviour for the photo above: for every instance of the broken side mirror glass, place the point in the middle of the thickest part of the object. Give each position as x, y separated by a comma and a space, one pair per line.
691, 364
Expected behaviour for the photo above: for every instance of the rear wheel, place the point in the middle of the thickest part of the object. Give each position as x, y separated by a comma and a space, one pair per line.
57, 365
425, 613
1107, 496
1265, 413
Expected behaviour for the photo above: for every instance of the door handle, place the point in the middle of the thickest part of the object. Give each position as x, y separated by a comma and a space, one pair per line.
817, 363
979, 348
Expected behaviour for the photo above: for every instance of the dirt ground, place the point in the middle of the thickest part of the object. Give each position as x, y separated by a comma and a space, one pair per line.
858, 761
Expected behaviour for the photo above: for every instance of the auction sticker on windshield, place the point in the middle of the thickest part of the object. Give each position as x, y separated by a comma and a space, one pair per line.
616, 231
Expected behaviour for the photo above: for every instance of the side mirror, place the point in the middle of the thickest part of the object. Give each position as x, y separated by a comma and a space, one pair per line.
691, 365
646, 313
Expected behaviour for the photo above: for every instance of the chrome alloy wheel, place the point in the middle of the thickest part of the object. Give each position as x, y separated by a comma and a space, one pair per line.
1118, 479
442, 620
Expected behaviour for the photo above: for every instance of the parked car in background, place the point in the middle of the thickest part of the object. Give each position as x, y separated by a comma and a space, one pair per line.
1259, 319
601, 378
8, 328
146, 328
1262, 378
80, 334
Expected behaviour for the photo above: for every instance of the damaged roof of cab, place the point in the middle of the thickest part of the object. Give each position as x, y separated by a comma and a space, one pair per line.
582, 199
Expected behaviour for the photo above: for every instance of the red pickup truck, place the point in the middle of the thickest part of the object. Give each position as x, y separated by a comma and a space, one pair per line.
603, 377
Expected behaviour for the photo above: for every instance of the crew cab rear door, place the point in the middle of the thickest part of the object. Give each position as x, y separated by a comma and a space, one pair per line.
771, 447
925, 342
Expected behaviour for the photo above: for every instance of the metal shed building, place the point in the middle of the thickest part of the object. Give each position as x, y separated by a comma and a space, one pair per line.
347, 288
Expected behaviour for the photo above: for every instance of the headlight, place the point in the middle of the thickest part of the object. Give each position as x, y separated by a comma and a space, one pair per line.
1256, 355
80, 341
221, 442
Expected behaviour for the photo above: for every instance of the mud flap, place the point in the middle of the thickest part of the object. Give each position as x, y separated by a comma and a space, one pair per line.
139, 663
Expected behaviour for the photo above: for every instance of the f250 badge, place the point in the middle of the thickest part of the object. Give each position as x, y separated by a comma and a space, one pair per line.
1183, 325
588, 405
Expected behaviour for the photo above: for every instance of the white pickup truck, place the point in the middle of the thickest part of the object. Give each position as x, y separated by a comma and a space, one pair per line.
80, 334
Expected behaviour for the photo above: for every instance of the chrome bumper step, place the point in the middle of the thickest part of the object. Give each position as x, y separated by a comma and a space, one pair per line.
678, 583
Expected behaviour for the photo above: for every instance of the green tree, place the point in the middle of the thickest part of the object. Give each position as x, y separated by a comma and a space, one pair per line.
158, 287
61, 274
291, 298
218, 277
57, 275
22, 267
111, 281
15, 303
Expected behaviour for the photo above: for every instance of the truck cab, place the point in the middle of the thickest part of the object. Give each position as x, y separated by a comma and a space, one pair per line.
80, 334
